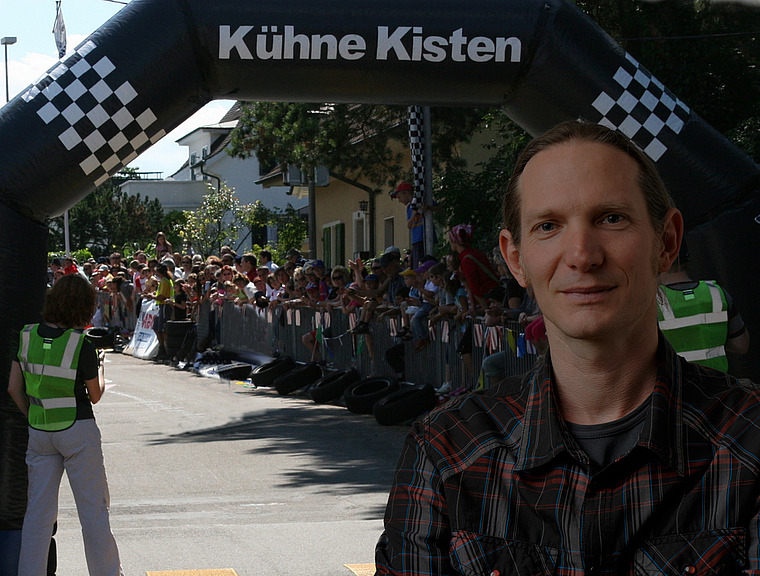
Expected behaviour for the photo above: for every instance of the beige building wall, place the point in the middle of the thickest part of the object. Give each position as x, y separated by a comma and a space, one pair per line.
338, 203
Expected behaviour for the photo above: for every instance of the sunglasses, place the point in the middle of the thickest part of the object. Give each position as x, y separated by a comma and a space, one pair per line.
337, 277
187, 261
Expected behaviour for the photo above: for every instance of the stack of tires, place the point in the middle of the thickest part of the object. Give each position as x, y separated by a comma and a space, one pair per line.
389, 402
380, 396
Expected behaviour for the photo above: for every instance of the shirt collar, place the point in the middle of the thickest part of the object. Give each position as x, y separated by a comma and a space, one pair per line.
545, 435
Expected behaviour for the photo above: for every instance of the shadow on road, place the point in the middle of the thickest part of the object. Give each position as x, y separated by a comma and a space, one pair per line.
347, 453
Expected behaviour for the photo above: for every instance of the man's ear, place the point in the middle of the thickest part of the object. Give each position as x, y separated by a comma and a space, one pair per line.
511, 254
672, 234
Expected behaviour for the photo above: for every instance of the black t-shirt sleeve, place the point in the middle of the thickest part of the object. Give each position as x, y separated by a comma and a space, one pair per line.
88, 361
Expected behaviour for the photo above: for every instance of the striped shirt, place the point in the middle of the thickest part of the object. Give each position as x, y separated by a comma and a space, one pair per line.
493, 483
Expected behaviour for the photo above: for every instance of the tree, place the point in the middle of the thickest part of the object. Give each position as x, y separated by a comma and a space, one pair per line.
108, 219
291, 228
214, 224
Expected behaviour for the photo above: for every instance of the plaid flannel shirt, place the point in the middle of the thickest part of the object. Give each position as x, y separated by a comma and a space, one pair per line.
493, 483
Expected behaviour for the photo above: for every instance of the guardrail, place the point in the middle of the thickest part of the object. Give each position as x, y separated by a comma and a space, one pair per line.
268, 332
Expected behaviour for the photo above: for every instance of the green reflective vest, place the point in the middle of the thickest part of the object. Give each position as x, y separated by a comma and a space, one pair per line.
50, 366
695, 322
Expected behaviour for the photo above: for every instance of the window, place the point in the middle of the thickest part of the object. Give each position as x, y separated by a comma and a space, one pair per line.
333, 244
389, 235
360, 232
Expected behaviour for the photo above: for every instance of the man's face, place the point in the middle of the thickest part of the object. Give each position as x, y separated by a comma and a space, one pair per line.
589, 250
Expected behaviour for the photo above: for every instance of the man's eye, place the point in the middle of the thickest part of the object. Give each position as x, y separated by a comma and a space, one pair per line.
613, 219
546, 227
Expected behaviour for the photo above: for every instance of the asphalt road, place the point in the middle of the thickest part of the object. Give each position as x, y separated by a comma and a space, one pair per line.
205, 474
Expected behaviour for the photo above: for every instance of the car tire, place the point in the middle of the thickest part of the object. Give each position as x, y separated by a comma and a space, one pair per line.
332, 386
298, 378
361, 396
100, 337
405, 404
265, 375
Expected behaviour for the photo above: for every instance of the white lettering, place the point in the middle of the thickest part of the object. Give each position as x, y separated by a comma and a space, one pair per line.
227, 42
291, 40
435, 48
261, 46
457, 41
387, 43
501, 49
480, 49
327, 40
352, 47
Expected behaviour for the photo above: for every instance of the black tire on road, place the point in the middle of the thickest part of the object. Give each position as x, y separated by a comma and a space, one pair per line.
405, 404
360, 397
332, 386
298, 378
100, 337
236, 371
265, 374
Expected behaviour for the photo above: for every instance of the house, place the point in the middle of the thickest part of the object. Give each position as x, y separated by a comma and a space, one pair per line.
208, 163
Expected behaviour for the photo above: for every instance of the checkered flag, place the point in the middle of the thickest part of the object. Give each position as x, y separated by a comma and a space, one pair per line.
642, 108
98, 116
416, 146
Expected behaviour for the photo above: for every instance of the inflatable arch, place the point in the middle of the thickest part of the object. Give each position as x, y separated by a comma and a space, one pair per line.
158, 61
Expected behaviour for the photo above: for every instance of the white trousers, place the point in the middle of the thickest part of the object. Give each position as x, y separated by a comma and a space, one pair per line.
76, 450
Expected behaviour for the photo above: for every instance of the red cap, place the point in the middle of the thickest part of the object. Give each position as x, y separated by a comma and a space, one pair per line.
403, 187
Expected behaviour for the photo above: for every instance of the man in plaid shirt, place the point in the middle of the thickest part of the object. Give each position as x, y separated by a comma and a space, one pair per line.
613, 455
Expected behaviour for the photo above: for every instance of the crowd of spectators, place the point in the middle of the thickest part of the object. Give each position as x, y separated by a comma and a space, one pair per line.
463, 284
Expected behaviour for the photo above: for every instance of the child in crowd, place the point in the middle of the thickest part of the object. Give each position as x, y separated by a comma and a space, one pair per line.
428, 299
371, 282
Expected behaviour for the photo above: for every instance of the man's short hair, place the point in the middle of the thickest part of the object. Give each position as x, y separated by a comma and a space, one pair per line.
266, 254
655, 193
250, 258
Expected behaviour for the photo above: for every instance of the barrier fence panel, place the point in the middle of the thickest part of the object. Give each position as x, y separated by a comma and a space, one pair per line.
269, 332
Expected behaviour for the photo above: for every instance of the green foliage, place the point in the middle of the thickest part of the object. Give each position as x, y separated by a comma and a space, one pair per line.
107, 220
475, 196
80, 256
291, 228
353, 140
213, 225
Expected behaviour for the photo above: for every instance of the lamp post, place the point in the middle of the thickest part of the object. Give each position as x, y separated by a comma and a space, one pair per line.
7, 41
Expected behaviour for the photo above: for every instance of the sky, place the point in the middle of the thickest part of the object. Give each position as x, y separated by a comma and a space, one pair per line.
31, 22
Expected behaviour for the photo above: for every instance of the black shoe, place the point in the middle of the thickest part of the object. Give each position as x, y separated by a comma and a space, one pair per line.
360, 328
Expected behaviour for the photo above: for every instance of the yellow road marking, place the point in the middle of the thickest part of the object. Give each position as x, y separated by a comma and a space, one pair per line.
361, 569
222, 572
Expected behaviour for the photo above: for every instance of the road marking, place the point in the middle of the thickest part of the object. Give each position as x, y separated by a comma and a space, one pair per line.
361, 569
222, 572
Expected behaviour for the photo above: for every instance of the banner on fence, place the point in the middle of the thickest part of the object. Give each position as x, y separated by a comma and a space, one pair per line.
144, 343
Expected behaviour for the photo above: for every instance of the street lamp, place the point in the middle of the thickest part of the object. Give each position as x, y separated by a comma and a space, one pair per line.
7, 41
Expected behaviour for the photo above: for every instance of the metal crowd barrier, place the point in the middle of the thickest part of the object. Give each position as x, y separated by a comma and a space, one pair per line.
269, 332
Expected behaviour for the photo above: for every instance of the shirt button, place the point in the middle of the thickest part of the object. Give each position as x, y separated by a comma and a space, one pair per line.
495, 573
690, 570
593, 571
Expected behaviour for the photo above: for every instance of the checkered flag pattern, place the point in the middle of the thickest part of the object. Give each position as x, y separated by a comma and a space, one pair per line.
642, 108
416, 145
96, 115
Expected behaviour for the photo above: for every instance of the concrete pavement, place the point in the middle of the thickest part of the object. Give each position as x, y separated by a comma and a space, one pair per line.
205, 474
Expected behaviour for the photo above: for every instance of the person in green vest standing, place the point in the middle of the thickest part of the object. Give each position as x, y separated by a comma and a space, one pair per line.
55, 380
698, 317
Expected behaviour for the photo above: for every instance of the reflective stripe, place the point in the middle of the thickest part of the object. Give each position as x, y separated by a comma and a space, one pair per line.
47, 370
717, 300
25, 337
71, 348
697, 319
52, 403
705, 354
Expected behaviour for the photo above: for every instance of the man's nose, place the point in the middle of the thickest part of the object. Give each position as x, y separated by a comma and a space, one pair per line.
583, 248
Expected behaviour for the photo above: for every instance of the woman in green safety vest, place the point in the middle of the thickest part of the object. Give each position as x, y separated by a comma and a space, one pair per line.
56, 378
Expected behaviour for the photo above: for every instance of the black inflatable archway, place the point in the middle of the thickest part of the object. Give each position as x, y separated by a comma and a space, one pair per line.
158, 61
